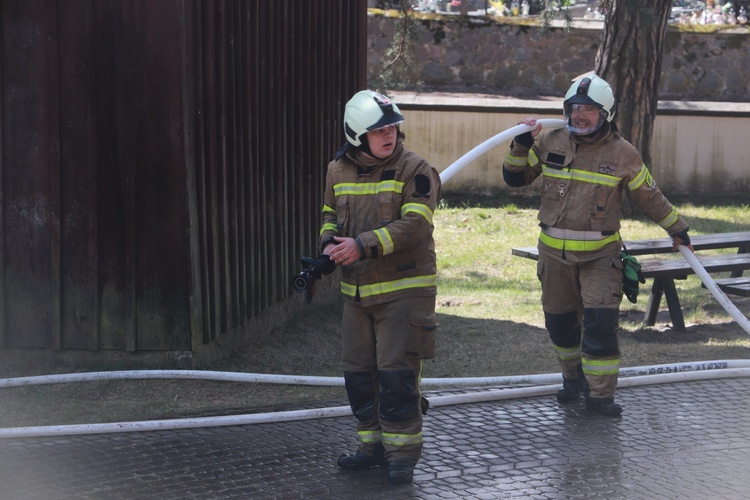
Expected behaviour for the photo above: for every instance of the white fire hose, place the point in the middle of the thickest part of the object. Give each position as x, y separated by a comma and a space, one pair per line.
630, 377
727, 304
496, 140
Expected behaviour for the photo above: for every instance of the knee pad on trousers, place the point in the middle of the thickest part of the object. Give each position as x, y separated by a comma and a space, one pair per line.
399, 395
362, 390
564, 328
600, 331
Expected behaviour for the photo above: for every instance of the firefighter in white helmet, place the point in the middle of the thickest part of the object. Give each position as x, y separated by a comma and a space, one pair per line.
585, 169
377, 226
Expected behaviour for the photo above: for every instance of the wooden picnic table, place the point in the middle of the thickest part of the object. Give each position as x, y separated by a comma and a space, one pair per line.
665, 271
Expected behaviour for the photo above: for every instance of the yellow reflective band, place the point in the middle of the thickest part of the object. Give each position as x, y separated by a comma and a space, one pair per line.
370, 436
384, 237
402, 439
669, 219
644, 176
418, 208
601, 367
566, 353
578, 245
368, 188
350, 289
517, 161
533, 158
328, 210
328, 227
581, 176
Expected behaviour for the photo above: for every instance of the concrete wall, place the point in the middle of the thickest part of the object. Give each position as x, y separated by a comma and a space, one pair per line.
518, 61
698, 148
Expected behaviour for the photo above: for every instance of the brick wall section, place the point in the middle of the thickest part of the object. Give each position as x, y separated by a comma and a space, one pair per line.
519, 61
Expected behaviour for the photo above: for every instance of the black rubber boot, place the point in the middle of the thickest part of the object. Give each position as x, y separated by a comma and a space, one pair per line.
400, 471
604, 406
361, 461
572, 389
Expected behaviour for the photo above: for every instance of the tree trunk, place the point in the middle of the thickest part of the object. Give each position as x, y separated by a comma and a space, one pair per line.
629, 59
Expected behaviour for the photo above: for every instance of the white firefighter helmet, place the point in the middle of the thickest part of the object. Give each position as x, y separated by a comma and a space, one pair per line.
366, 111
590, 90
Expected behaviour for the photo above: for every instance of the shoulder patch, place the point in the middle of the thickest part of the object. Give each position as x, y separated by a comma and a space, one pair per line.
422, 184
607, 169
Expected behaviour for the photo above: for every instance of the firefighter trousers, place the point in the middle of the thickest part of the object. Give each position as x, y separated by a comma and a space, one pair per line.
581, 304
382, 351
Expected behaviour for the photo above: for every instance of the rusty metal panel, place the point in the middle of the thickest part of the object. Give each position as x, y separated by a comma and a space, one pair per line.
162, 163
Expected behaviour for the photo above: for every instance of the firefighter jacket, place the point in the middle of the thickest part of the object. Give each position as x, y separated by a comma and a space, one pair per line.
582, 186
387, 205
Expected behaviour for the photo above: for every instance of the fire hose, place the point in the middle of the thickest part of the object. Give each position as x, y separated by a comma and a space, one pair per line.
493, 141
720, 296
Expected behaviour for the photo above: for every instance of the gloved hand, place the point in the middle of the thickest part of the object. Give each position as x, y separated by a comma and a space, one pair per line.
681, 238
631, 276
526, 140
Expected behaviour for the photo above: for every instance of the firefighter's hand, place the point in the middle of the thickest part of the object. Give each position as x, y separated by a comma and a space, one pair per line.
681, 238
346, 252
677, 241
531, 121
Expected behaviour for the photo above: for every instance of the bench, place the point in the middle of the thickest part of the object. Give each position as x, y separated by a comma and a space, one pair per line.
665, 271
734, 286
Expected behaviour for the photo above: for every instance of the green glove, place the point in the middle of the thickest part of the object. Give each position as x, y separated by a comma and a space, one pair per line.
631, 275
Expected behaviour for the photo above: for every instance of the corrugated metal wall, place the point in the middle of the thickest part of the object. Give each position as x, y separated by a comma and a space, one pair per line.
162, 162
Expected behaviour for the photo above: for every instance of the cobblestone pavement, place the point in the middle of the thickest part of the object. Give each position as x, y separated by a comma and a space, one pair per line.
684, 440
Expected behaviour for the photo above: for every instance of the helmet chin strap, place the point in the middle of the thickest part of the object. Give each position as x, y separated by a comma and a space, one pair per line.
365, 146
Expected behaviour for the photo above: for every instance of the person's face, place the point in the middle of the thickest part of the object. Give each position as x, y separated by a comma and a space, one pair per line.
382, 141
585, 118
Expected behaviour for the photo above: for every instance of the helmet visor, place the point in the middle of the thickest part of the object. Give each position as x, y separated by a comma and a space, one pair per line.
388, 118
583, 119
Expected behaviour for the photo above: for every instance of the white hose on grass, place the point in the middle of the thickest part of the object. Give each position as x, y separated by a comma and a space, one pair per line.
496, 140
644, 375
727, 304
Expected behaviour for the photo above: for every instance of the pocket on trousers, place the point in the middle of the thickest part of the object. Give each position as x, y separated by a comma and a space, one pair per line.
423, 330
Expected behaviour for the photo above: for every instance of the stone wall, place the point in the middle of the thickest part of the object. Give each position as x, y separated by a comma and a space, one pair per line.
514, 60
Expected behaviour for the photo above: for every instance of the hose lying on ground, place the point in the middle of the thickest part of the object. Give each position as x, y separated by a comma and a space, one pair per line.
267, 378
645, 375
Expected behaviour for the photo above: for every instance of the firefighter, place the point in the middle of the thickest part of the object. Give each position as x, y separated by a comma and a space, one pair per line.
377, 226
585, 168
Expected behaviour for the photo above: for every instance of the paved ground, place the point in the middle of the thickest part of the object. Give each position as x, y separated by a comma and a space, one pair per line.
685, 440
